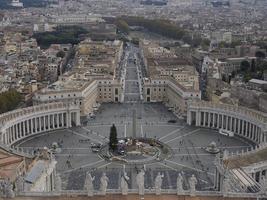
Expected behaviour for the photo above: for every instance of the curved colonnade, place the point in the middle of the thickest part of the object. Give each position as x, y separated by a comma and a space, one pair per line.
247, 123
22, 123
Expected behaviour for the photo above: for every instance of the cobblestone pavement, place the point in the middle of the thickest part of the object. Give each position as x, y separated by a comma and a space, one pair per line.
186, 142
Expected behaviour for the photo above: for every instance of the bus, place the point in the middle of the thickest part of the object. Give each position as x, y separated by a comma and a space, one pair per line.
226, 133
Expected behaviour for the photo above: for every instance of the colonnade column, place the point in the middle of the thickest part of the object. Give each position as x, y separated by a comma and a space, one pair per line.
57, 120
189, 117
78, 120
228, 123
209, 119
219, 122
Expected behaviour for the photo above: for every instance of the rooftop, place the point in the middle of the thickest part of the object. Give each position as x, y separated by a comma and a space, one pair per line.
131, 197
9, 164
246, 160
258, 81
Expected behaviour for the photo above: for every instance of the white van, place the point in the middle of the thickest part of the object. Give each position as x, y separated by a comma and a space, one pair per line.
226, 133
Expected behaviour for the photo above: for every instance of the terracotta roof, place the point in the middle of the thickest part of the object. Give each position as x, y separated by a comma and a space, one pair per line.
9, 164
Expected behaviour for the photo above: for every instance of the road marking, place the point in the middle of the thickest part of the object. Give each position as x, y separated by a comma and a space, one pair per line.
101, 166
176, 130
38, 135
195, 169
168, 166
95, 133
83, 166
223, 147
79, 154
190, 133
84, 136
203, 154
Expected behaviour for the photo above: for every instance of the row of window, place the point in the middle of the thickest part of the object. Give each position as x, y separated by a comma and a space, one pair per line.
62, 96
116, 90
155, 89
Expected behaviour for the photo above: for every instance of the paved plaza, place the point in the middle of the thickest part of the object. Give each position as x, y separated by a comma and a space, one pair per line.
188, 157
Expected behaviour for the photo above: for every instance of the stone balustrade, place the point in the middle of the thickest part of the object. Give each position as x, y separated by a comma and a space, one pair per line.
21, 123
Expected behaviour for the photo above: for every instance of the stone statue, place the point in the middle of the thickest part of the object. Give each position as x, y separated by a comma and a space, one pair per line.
263, 183
88, 184
192, 184
140, 180
103, 184
58, 183
179, 183
124, 184
6, 189
226, 185
19, 184
158, 183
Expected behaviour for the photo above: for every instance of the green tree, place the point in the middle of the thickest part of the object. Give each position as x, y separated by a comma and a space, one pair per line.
113, 140
187, 39
224, 78
233, 74
9, 100
260, 55
159, 26
244, 66
61, 54
122, 26
253, 66
247, 77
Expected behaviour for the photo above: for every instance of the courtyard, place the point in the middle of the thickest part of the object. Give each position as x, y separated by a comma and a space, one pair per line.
188, 156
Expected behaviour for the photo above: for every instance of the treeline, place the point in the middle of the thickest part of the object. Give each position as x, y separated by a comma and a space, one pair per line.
122, 26
62, 35
162, 27
255, 69
9, 100
159, 26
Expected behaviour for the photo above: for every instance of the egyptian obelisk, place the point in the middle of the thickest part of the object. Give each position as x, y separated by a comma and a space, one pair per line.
134, 125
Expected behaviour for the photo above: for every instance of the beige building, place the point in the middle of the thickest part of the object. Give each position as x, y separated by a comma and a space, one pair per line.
84, 91
91, 80
163, 63
171, 93
99, 57
172, 79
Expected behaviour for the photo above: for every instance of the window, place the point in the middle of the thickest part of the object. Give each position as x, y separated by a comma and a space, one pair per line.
148, 91
116, 91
